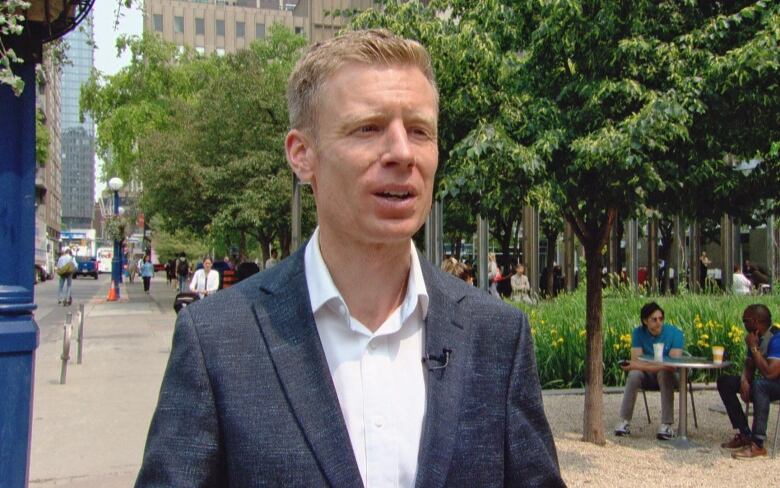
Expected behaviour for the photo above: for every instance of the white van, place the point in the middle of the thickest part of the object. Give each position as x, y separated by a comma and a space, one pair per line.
104, 257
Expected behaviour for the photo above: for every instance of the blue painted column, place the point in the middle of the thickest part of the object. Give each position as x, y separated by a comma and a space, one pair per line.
116, 263
18, 330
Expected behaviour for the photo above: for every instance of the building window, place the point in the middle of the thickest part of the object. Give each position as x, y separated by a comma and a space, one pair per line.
259, 31
200, 50
178, 24
299, 30
240, 27
220, 51
221, 27
158, 22
200, 27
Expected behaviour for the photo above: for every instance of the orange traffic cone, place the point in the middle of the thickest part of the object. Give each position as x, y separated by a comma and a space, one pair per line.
112, 292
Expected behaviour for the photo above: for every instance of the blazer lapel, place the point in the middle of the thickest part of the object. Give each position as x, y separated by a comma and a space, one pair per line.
283, 312
443, 330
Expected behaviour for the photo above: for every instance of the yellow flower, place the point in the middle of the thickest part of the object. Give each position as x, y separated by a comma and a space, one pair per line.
582, 333
560, 340
705, 336
553, 332
616, 347
699, 325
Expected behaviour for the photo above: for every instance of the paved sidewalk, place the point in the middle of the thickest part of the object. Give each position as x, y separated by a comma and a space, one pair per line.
90, 432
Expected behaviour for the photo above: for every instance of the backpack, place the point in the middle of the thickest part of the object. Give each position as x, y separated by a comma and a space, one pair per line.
67, 269
183, 268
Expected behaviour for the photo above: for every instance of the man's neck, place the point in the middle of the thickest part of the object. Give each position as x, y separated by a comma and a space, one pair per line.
372, 279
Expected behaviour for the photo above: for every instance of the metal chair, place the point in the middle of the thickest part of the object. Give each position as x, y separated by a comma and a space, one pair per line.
690, 392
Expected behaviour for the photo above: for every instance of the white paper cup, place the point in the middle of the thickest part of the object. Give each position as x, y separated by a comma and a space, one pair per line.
658, 352
717, 354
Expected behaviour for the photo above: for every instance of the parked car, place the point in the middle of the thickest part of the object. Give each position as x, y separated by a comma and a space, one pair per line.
86, 267
40, 274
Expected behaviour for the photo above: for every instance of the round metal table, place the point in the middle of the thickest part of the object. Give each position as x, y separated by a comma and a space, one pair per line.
683, 364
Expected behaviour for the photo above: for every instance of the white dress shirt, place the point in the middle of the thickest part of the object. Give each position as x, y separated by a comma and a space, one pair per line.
379, 376
201, 283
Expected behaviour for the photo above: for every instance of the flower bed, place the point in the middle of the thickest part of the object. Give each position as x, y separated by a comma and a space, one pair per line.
558, 327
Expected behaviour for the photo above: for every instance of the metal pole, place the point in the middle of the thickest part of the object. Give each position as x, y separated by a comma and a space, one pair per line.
695, 279
652, 254
632, 252
295, 215
80, 336
531, 245
116, 262
568, 256
428, 231
438, 209
678, 254
482, 239
727, 252
66, 333
18, 330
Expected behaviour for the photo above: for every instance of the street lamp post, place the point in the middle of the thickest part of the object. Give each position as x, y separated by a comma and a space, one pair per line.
115, 184
44, 21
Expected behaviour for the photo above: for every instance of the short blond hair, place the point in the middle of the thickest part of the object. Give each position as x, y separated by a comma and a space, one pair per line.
323, 59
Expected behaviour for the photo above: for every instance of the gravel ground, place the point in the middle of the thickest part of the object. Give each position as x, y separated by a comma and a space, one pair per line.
641, 460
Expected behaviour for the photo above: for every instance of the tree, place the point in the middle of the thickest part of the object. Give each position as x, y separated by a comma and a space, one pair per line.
206, 130
594, 98
479, 123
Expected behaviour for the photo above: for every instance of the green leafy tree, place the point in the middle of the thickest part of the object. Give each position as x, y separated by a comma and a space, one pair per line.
205, 136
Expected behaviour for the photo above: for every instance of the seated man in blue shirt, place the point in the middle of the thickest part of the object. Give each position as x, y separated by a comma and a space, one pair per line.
763, 356
649, 376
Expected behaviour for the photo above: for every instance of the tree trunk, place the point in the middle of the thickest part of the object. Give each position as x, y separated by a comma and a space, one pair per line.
549, 285
593, 236
592, 421
242, 247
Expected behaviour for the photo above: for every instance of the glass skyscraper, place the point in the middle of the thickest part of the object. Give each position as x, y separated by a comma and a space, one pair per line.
78, 138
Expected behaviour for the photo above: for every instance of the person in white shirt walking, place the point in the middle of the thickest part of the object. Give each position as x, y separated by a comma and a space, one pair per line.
205, 281
66, 267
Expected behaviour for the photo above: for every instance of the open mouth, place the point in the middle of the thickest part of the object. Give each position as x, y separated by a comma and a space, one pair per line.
395, 195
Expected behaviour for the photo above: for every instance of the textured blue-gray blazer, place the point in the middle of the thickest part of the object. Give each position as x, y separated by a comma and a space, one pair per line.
247, 399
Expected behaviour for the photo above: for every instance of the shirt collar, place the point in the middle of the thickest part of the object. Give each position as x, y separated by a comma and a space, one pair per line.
322, 290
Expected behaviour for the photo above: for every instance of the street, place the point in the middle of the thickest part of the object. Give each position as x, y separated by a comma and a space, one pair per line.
90, 432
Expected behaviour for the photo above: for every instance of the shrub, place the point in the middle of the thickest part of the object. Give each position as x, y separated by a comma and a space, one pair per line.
558, 328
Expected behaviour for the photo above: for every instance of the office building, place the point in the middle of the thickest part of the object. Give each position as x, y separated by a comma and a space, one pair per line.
48, 208
225, 26
78, 138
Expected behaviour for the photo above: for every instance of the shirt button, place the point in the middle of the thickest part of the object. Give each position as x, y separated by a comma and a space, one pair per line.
342, 309
373, 345
379, 422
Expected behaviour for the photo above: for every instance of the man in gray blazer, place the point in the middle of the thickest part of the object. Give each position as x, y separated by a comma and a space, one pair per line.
354, 362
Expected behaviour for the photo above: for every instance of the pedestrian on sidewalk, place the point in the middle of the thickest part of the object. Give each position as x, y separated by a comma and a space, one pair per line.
205, 281
182, 272
66, 267
147, 271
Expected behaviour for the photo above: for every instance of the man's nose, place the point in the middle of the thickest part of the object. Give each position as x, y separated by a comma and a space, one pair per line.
398, 148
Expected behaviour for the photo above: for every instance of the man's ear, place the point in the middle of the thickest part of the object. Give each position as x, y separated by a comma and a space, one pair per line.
300, 154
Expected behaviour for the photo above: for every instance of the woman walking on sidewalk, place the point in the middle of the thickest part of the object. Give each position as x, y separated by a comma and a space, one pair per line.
147, 271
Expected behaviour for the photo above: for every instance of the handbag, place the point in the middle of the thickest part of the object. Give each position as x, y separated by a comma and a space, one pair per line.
67, 269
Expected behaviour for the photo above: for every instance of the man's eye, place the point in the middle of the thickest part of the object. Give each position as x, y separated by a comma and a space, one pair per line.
368, 128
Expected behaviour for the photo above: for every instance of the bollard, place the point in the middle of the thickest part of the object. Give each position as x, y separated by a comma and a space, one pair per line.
65, 346
80, 335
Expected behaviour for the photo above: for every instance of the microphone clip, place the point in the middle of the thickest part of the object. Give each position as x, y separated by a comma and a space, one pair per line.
443, 360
